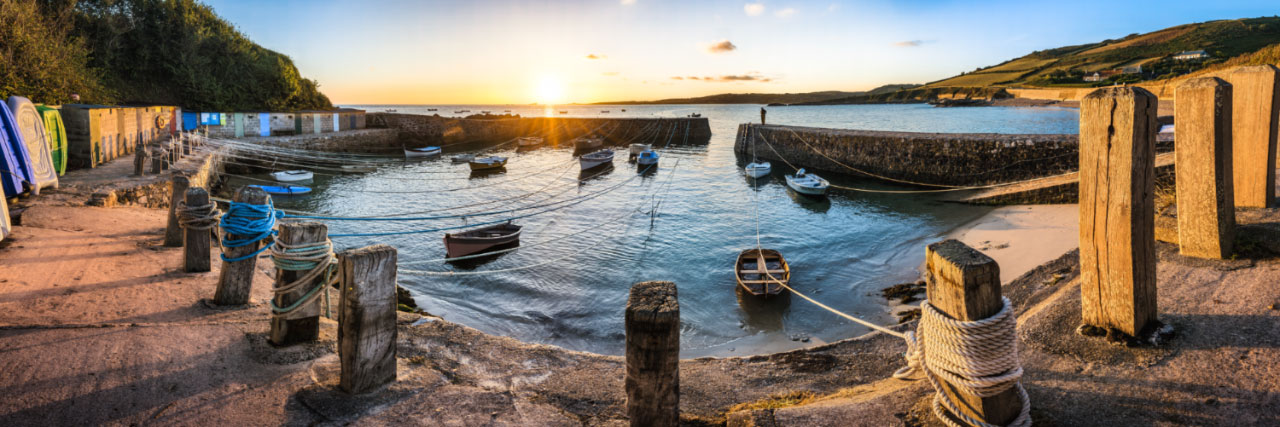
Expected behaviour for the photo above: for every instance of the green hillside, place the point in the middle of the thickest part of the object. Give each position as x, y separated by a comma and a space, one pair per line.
143, 51
766, 98
1068, 66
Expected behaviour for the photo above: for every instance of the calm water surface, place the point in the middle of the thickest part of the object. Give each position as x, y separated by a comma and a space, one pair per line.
685, 223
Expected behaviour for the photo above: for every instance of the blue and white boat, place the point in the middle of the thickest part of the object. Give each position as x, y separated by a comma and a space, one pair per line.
286, 190
807, 183
422, 152
647, 157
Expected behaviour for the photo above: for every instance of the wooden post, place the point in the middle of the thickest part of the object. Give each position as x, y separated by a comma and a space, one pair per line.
653, 355
195, 251
175, 152
236, 278
140, 161
173, 231
1255, 116
367, 318
186, 144
1206, 206
302, 325
965, 285
1117, 208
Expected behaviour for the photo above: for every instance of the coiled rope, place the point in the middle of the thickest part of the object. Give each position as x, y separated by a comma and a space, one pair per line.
978, 358
313, 258
245, 219
201, 217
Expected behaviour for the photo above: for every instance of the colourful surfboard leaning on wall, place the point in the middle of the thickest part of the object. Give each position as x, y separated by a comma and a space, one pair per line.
31, 125
15, 171
57, 134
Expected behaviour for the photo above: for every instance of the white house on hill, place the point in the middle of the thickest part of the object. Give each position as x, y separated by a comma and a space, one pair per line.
1191, 54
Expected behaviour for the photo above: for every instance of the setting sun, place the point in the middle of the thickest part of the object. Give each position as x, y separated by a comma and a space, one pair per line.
549, 90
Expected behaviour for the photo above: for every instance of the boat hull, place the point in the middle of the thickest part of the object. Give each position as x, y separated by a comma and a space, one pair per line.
806, 190
287, 176
421, 152
478, 166
590, 162
762, 281
463, 244
289, 190
758, 171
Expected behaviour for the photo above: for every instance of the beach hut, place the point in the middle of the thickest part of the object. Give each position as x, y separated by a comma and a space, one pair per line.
57, 135
15, 170
282, 123
29, 123
127, 123
190, 121
90, 129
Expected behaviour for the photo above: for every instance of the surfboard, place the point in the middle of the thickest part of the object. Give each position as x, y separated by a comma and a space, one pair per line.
57, 134
15, 171
31, 125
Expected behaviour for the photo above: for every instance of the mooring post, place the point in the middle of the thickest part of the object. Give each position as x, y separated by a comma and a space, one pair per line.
653, 355
302, 324
173, 230
236, 278
157, 161
965, 285
367, 318
1206, 206
140, 161
1255, 116
186, 143
195, 250
1117, 208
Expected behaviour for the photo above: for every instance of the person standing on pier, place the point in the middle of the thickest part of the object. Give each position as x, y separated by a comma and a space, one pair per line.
762, 115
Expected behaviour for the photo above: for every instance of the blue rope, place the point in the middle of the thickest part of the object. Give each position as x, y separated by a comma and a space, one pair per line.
256, 221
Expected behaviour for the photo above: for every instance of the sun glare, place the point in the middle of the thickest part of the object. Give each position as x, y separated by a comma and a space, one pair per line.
550, 90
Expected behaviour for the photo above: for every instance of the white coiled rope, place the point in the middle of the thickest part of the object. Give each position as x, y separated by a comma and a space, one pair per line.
978, 358
316, 259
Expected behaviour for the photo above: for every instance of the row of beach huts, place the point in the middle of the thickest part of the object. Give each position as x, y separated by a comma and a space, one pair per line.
39, 143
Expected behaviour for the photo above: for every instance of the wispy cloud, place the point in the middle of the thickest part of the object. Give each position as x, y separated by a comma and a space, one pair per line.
753, 9
833, 7
722, 46
677, 78
785, 12
627, 2
749, 77
911, 43
594, 56
609, 73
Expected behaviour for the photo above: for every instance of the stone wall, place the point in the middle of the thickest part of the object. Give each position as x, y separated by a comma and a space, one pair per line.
355, 141
931, 158
155, 191
415, 130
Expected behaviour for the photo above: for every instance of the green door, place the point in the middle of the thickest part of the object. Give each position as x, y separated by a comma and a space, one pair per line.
297, 124
239, 119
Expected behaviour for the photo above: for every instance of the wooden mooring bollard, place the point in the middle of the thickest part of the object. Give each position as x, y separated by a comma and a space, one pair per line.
172, 230
195, 248
1117, 208
141, 159
157, 161
653, 355
965, 284
236, 278
1206, 206
1255, 118
367, 318
303, 324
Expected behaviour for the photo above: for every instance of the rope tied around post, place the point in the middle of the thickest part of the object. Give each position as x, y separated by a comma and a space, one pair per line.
245, 219
315, 259
978, 358
202, 217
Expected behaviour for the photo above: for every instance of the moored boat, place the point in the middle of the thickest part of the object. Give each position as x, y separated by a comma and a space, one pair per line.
758, 169
647, 157
292, 176
636, 149
285, 190
529, 141
596, 159
807, 183
481, 239
422, 152
359, 168
463, 158
762, 272
487, 163
585, 143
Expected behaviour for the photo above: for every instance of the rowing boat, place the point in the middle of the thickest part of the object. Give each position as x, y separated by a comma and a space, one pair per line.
584, 143
807, 183
286, 190
422, 152
463, 158
529, 141
596, 159
647, 157
758, 169
292, 176
487, 163
762, 272
479, 240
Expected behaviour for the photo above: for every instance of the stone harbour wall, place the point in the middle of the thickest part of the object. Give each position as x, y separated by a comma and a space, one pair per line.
353, 141
420, 130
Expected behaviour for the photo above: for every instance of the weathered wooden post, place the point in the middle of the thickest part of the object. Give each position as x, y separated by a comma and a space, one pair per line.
653, 355
175, 152
303, 323
140, 161
1255, 116
173, 230
1206, 206
965, 285
367, 318
236, 277
195, 250
1117, 208
186, 143
157, 161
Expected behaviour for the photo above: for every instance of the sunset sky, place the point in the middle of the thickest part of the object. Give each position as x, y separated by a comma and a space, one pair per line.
511, 51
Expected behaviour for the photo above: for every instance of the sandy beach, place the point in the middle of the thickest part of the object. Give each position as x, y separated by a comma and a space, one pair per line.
1022, 237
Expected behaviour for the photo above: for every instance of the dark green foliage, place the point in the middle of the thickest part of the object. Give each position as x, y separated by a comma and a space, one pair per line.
176, 52
38, 58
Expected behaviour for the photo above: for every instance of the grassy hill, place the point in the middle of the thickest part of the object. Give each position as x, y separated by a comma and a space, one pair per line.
1067, 66
765, 98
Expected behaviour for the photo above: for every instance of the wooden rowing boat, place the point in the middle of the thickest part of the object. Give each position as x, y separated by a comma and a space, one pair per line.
481, 239
488, 163
762, 272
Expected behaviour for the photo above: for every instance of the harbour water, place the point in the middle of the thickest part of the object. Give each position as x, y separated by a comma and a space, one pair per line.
685, 222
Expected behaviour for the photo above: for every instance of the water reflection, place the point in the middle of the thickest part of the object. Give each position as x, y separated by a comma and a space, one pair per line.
763, 314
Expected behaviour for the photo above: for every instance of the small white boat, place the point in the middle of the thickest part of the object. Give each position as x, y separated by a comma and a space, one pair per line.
463, 158
359, 168
487, 163
596, 159
529, 141
292, 176
585, 143
807, 183
647, 157
758, 169
636, 149
422, 152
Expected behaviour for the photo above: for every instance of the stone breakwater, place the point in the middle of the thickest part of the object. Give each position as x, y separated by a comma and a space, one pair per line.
444, 131
931, 158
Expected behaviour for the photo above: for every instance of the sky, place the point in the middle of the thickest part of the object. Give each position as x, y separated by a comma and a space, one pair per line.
526, 51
